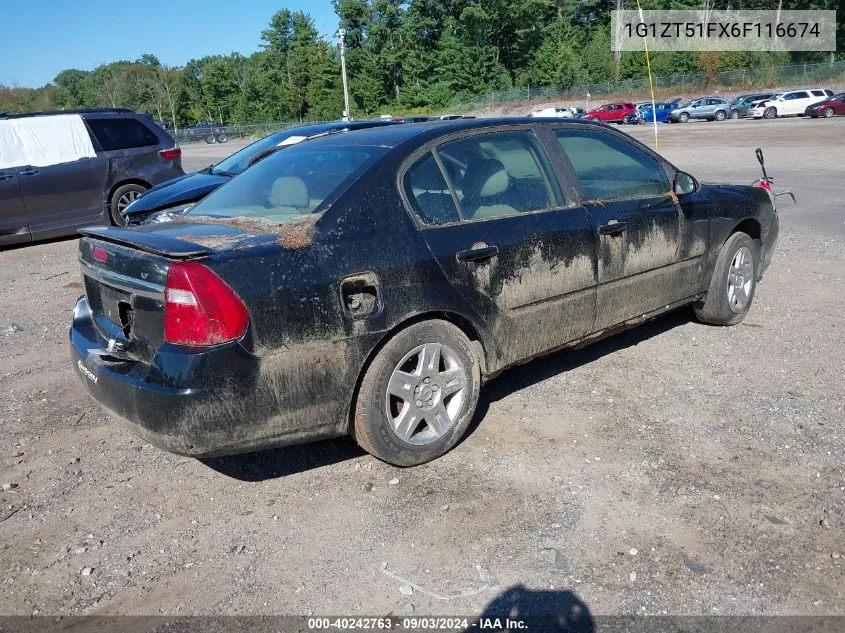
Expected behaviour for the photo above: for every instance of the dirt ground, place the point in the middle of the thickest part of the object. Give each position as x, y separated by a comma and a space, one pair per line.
677, 468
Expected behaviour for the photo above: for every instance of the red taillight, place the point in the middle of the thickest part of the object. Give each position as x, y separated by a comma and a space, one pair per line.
171, 154
200, 309
100, 254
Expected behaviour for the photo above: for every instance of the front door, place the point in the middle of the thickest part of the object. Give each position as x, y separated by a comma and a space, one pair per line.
794, 103
13, 220
649, 252
506, 241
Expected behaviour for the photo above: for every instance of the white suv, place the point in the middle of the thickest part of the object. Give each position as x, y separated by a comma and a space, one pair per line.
788, 103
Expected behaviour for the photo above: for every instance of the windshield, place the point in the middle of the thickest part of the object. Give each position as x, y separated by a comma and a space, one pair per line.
288, 185
239, 161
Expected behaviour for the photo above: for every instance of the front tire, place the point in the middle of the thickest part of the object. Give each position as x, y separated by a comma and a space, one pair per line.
733, 283
770, 113
828, 112
419, 394
735, 115
683, 117
122, 198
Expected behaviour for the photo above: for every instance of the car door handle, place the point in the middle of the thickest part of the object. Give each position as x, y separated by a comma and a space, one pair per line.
29, 172
6, 177
478, 253
613, 228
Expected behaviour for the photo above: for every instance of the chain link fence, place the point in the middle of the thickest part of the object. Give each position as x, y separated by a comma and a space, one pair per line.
671, 85
224, 133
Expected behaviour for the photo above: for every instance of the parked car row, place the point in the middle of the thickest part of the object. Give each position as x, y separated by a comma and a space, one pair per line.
814, 102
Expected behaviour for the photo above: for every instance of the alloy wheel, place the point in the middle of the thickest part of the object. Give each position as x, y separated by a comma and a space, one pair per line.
426, 393
126, 199
740, 280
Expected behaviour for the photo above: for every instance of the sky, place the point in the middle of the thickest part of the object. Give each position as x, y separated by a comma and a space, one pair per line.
40, 38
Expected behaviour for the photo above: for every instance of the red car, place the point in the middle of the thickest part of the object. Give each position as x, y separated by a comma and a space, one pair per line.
829, 107
610, 112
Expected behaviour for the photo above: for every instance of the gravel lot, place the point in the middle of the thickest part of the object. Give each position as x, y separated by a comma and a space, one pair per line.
677, 468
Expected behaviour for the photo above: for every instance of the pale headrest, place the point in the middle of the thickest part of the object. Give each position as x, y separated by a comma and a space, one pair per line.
485, 178
290, 191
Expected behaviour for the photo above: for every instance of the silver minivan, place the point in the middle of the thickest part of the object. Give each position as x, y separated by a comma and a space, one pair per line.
127, 153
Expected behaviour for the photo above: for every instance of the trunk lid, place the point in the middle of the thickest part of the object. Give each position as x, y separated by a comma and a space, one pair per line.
125, 273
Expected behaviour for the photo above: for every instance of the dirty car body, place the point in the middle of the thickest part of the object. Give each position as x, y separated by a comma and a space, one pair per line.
388, 273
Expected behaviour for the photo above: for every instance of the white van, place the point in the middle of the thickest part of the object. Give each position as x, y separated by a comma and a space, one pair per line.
789, 103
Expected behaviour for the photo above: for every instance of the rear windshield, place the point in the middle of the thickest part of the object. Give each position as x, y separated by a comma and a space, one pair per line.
289, 185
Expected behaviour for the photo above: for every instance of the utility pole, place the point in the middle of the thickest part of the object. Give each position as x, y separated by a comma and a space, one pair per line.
341, 34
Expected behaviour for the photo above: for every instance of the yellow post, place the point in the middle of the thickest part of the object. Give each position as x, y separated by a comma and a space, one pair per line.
650, 80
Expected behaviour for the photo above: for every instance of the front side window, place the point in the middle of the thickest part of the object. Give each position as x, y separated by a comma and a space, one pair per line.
498, 174
289, 185
114, 134
612, 169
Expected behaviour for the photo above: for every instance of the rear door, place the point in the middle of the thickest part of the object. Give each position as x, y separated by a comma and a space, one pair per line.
130, 146
491, 211
13, 219
64, 194
649, 249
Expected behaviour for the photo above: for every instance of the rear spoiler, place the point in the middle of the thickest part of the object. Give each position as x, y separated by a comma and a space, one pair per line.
149, 242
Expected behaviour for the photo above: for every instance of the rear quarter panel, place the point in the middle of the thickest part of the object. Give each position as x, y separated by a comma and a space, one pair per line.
731, 205
309, 348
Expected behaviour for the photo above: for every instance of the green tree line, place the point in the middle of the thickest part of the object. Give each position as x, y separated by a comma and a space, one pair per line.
402, 55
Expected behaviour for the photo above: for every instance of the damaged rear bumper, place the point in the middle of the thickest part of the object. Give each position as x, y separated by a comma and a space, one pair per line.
223, 415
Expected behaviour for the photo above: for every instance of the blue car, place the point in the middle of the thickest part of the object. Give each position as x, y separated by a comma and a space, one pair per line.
660, 112
177, 194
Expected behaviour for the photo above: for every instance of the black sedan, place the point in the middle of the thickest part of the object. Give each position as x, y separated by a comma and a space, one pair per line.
368, 283
177, 194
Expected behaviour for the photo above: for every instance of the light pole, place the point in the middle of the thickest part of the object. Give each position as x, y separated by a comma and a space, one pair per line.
341, 33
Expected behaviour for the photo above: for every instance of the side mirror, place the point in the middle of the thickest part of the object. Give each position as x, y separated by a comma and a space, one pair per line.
684, 183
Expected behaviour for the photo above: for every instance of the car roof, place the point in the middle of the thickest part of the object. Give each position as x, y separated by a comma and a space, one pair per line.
394, 135
320, 128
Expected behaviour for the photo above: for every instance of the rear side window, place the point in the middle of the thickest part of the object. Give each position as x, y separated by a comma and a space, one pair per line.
427, 189
498, 174
116, 133
819, 93
611, 169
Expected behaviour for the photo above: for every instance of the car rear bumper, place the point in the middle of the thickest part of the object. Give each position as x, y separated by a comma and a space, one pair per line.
226, 410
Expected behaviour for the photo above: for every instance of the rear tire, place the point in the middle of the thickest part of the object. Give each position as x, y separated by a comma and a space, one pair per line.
828, 112
121, 198
720, 115
210, 139
770, 113
222, 138
733, 283
401, 414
